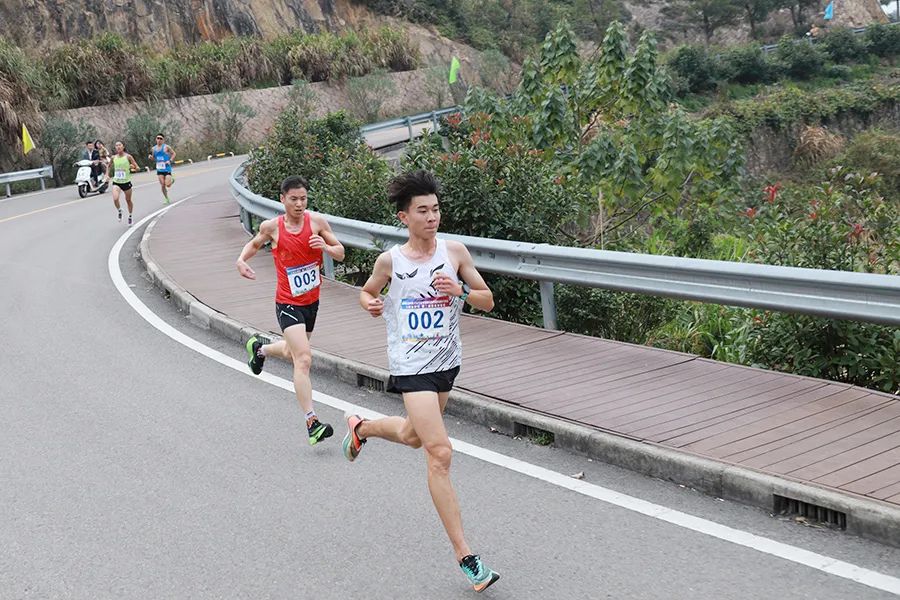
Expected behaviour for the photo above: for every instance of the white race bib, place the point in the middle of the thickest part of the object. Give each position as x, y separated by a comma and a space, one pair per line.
161, 166
303, 279
425, 318
120, 174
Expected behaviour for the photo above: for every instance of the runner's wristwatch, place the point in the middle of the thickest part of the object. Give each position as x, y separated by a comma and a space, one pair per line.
466, 289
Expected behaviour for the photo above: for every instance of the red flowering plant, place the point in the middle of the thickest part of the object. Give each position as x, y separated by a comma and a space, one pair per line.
842, 224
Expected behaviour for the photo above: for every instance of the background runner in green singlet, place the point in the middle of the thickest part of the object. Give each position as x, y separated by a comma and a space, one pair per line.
120, 169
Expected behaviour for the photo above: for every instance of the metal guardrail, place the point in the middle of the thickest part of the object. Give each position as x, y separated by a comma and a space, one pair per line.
41, 173
408, 122
836, 294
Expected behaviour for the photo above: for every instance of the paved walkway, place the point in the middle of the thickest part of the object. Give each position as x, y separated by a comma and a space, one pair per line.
829, 434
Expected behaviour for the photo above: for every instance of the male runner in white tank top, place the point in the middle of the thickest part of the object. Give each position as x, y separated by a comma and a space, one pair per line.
430, 279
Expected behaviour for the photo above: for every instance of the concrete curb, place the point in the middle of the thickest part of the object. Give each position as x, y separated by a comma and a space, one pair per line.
864, 517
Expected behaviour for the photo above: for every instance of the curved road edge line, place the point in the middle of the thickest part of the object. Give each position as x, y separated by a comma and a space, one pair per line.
762, 544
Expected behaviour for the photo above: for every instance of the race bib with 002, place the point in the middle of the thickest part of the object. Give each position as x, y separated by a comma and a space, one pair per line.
425, 318
303, 279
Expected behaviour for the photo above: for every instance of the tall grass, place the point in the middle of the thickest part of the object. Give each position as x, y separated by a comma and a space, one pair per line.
108, 68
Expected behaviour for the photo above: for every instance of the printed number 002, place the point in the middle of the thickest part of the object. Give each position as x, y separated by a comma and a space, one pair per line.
304, 278
426, 320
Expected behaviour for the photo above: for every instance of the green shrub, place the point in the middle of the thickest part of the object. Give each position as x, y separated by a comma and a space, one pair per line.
302, 96
876, 151
367, 94
225, 123
300, 146
141, 130
842, 45
799, 60
500, 191
747, 64
60, 144
694, 70
612, 315
354, 186
106, 69
883, 40
18, 77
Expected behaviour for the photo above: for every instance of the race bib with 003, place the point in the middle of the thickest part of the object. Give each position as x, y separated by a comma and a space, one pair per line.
303, 279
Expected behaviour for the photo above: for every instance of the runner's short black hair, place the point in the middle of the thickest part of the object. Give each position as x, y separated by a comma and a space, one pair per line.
160, 135
294, 182
403, 188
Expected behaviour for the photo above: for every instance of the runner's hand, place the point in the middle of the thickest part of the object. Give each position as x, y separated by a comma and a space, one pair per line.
316, 242
444, 283
245, 270
375, 307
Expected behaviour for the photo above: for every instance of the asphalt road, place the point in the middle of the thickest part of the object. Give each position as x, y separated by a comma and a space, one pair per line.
132, 466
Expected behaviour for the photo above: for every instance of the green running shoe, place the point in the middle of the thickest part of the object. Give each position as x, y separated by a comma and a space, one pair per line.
318, 431
255, 360
479, 575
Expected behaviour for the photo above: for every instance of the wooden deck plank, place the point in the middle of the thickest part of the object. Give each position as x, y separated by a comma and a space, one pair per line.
831, 469
657, 427
791, 454
751, 445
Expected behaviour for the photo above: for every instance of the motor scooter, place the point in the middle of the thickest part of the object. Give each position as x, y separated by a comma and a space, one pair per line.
84, 182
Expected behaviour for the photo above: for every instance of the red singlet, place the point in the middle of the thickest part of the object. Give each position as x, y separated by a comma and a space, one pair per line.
297, 265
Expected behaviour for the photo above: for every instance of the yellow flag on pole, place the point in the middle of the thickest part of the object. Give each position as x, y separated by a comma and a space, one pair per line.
27, 142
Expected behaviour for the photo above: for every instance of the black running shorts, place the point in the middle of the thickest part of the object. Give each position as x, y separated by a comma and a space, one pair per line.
123, 186
294, 314
439, 381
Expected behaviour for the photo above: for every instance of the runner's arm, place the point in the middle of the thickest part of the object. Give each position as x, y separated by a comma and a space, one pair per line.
171, 153
325, 239
480, 296
134, 166
370, 296
266, 229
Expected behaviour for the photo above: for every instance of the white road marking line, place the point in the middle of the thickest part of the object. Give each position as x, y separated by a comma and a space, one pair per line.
765, 545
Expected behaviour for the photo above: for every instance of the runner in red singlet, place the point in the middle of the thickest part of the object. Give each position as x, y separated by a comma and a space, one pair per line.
299, 238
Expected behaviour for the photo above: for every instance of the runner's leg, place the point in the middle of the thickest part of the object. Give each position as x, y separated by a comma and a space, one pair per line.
130, 204
162, 186
396, 429
115, 196
297, 344
425, 415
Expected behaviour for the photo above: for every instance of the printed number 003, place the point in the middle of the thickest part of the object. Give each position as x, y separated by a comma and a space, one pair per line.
426, 320
304, 278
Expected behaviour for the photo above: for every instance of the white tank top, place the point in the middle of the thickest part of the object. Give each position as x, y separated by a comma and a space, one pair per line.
422, 323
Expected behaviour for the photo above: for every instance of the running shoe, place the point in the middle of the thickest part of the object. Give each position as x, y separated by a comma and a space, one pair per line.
479, 575
120, 215
352, 443
166, 201
129, 219
255, 359
318, 431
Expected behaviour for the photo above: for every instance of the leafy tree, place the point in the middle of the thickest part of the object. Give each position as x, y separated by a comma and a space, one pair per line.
704, 15
367, 94
757, 11
60, 145
141, 130
607, 125
225, 122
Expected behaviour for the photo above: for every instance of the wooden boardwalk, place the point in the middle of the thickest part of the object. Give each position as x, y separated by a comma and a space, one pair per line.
829, 434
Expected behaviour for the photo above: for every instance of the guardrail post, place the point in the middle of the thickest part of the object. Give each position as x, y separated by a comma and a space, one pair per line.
43, 185
548, 304
434, 121
328, 264
409, 127
246, 221
8, 191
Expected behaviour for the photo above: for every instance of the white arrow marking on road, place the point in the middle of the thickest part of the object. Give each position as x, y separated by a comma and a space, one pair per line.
765, 545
